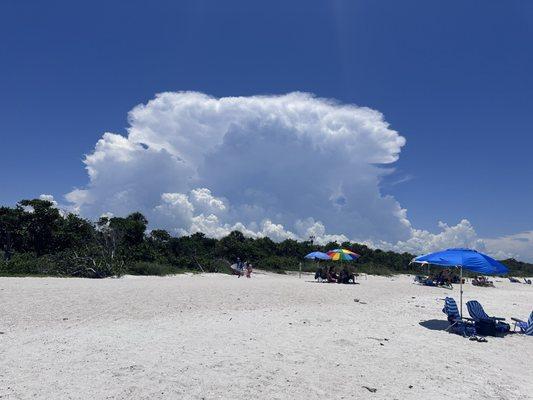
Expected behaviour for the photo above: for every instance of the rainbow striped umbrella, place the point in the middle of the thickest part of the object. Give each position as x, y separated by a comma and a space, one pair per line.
342, 255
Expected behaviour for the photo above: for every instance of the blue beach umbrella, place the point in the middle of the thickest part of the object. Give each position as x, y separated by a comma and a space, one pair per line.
471, 260
317, 255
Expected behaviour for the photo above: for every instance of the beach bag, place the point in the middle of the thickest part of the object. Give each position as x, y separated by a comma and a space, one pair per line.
503, 327
486, 327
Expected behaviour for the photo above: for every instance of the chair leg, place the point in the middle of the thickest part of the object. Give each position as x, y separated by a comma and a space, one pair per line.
451, 326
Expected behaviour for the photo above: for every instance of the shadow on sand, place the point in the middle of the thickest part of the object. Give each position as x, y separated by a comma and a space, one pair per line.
435, 324
343, 284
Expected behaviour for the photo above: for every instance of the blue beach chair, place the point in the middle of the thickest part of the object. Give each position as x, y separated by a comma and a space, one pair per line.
461, 326
525, 327
484, 321
477, 312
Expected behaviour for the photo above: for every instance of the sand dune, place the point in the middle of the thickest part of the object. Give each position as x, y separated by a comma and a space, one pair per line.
270, 337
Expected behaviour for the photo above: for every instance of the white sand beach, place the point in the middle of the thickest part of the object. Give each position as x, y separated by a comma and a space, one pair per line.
270, 337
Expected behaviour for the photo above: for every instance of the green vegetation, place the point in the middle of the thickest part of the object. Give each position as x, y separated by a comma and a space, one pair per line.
37, 239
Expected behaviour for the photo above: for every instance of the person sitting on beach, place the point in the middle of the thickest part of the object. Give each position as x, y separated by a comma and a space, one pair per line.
331, 274
345, 276
318, 273
485, 281
482, 281
447, 277
439, 278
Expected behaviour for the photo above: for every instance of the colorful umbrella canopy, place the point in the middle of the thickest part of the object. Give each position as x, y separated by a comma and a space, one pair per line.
342, 255
317, 255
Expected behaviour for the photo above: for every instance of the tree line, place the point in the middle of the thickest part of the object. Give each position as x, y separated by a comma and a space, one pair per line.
38, 239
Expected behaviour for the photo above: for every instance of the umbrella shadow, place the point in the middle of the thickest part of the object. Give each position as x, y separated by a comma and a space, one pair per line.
435, 324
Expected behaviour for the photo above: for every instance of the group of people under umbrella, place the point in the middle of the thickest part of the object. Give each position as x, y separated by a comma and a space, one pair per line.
328, 274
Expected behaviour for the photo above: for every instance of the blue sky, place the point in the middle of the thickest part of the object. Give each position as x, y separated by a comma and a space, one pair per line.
453, 78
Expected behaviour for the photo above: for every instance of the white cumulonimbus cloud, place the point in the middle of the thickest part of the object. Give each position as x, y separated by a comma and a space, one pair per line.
288, 166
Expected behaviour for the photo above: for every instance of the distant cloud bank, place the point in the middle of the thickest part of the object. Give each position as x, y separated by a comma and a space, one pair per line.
287, 166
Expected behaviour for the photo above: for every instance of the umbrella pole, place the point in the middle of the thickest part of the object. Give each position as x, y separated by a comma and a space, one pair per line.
461, 289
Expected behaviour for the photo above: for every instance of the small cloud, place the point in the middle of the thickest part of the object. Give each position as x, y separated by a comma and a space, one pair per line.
48, 197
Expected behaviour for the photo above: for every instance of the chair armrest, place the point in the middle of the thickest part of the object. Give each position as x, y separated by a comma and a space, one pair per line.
469, 319
498, 318
516, 319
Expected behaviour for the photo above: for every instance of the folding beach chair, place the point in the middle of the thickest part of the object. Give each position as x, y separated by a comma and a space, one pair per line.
484, 323
525, 327
462, 326
477, 312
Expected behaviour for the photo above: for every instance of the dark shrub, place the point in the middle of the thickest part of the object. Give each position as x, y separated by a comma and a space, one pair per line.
151, 268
